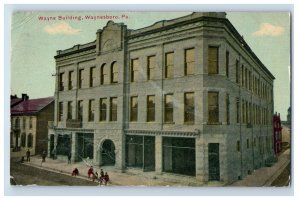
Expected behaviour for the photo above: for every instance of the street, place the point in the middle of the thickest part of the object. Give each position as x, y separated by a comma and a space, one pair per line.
284, 178
27, 175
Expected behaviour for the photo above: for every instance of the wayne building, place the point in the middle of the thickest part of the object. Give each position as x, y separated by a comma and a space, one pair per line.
183, 96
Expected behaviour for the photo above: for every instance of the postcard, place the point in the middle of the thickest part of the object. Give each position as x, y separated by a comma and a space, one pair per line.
150, 99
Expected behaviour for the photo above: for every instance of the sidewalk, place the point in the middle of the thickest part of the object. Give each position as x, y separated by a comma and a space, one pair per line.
261, 177
265, 175
116, 177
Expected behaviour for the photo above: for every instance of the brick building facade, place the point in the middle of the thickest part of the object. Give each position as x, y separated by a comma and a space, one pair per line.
185, 96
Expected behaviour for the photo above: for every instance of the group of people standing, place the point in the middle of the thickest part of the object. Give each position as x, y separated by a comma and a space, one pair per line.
103, 179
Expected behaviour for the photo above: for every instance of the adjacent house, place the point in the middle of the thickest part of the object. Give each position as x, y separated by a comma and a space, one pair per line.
29, 124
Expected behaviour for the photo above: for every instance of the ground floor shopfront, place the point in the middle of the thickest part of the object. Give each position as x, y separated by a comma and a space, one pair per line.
181, 153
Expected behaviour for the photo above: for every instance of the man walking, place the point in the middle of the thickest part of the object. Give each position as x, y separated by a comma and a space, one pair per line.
28, 155
69, 158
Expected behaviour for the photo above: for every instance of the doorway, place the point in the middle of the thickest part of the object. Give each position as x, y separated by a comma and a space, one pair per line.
213, 162
108, 153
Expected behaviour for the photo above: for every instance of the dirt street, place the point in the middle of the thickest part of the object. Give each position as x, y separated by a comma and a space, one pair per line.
26, 175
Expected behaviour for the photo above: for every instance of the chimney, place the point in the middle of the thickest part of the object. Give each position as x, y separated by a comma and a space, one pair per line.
25, 97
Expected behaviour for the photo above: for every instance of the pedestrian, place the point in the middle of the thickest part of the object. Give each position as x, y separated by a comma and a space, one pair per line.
69, 158
90, 171
101, 179
44, 156
28, 155
95, 176
106, 178
75, 172
54, 153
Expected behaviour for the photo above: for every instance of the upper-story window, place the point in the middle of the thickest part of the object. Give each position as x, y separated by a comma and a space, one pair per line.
213, 60
238, 110
243, 77
169, 64
189, 57
71, 79
237, 76
91, 110
150, 67
227, 103
227, 64
61, 81
189, 107
213, 107
133, 109
60, 111
150, 108
168, 108
114, 72
24, 122
92, 76
80, 81
17, 123
70, 108
134, 70
246, 78
30, 122
104, 74
103, 109
113, 109
80, 110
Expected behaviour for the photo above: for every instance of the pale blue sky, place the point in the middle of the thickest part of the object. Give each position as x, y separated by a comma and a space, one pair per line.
34, 45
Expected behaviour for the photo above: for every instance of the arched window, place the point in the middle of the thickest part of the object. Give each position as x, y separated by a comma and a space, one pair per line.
29, 140
114, 72
23, 140
104, 74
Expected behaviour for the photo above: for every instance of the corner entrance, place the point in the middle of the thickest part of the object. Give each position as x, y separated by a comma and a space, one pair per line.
108, 153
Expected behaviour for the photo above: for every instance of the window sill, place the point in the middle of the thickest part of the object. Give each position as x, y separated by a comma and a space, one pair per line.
213, 123
168, 123
189, 123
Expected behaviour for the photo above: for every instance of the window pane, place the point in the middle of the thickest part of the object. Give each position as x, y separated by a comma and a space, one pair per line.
61, 81
133, 109
227, 63
151, 108
113, 109
213, 107
70, 110
213, 60
60, 110
114, 71
91, 110
92, 76
134, 69
168, 108
80, 78
151, 66
189, 107
103, 108
104, 74
169, 65
237, 71
189, 61
71, 78
80, 110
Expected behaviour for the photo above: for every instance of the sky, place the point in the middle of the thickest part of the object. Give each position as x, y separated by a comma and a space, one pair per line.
36, 38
